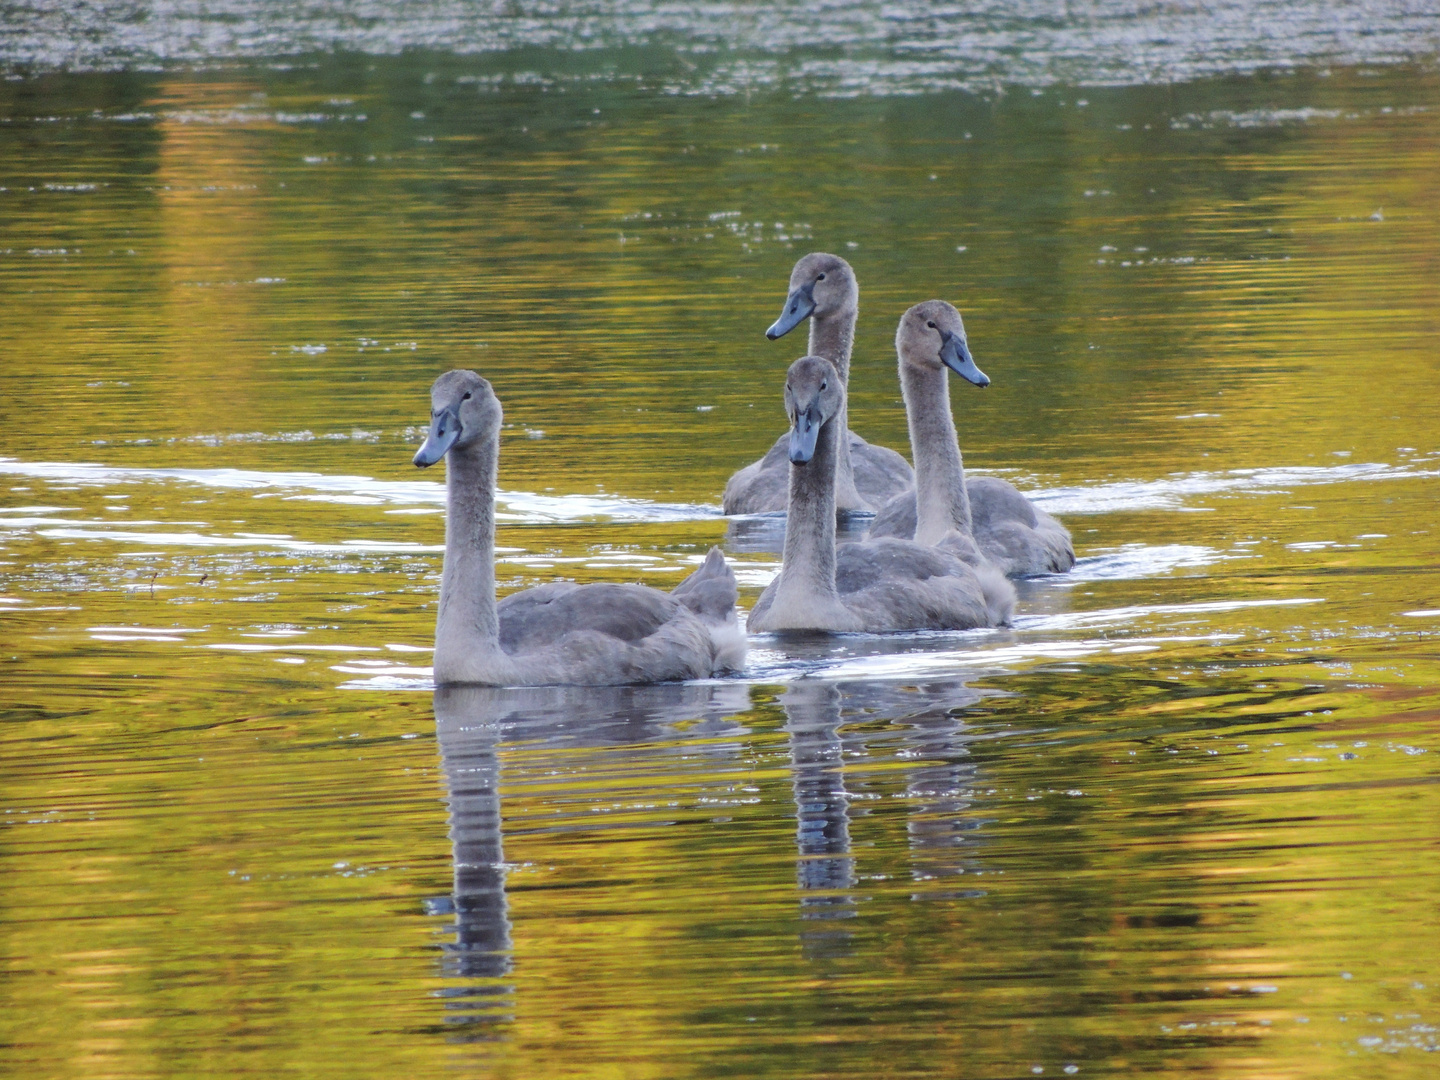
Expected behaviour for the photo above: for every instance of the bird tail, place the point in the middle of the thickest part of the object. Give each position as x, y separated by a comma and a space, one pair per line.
999, 594
711, 592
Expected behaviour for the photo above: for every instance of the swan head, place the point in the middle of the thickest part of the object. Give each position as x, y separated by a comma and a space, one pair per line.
821, 285
813, 394
932, 335
463, 408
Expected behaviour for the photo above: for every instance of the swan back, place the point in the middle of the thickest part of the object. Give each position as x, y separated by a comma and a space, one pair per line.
602, 634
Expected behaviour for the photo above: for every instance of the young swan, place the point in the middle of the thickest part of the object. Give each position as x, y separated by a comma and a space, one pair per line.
594, 635
1011, 533
822, 289
874, 586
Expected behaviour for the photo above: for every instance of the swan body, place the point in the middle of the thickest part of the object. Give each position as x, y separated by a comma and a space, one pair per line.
559, 633
987, 512
822, 289
872, 586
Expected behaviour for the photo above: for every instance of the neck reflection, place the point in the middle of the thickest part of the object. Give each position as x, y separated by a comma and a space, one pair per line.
824, 867
940, 788
468, 727
635, 728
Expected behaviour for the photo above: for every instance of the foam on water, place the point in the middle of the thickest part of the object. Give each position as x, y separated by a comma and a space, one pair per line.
205, 540
1070, 620
1166, 493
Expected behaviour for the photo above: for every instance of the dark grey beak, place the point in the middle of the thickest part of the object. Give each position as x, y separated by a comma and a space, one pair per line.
444, 430
955, 356
803, 434
798, 307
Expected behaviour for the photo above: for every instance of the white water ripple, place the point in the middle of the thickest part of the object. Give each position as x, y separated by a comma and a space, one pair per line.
512, 506
1176, 492
1135, 561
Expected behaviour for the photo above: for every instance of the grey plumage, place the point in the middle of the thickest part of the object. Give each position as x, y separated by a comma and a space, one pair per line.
763, 486
872, 586
1007, 530
824, 291
535, 618
710, 591
1018, 537
891, 585
561, 632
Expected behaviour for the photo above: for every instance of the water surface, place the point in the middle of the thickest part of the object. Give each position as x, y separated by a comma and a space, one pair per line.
1179, 820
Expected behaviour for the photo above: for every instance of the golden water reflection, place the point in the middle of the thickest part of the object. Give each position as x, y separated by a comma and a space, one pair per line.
1178, 820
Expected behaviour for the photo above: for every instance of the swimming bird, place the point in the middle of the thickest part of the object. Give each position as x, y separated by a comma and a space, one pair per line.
559, 633
1010, 532
871, 586
823, 289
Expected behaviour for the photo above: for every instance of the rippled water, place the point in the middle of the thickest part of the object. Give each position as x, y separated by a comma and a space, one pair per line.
841, 48
1179, 820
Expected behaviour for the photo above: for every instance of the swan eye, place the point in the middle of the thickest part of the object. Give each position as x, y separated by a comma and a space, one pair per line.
467, 395
824, 384
820, 278
932, 326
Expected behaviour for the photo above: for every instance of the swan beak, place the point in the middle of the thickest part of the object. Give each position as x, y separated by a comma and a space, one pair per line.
955, 356
444, 430
798, 307
803, 434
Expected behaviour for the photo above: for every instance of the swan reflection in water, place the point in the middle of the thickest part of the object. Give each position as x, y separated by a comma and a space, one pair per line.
923, 725
939, 789
824, 867
758, 534
480, 954
471, 722
915, 722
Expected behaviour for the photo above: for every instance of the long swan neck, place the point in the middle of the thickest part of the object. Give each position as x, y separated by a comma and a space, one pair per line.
833, 337
467, 624
941, 501
808, 570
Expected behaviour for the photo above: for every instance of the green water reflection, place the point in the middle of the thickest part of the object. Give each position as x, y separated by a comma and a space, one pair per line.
1180, 821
